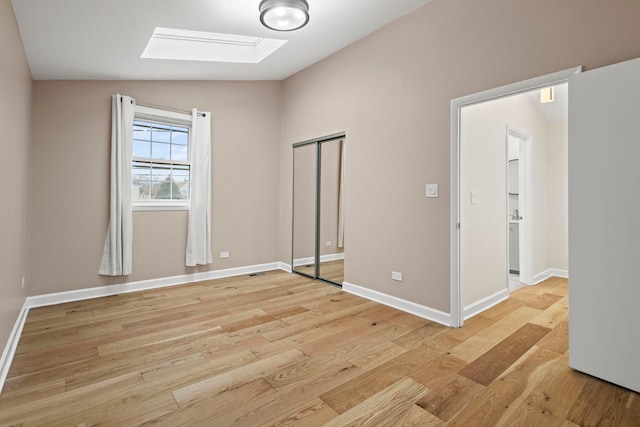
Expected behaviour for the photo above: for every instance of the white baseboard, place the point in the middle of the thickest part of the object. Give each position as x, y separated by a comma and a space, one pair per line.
103, 291
284, 266
399, 303
550, 272
484, 304
323, 258
143, 285
12, 344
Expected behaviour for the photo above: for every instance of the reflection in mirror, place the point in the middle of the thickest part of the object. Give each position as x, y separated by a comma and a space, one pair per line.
331, 212
304, 209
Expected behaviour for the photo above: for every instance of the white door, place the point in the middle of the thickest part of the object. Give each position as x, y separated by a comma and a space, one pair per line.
604, 210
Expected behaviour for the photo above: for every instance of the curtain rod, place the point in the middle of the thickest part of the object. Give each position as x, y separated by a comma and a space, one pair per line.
163, 107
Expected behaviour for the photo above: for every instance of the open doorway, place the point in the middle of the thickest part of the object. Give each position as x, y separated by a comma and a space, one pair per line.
519, 201
482, 215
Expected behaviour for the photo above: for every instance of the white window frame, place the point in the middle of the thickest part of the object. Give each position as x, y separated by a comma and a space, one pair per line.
156, 115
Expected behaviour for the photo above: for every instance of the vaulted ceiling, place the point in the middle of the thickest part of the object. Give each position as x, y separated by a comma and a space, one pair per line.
92, 39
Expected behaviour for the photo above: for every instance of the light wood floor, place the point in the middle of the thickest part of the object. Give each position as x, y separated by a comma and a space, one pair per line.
280, 349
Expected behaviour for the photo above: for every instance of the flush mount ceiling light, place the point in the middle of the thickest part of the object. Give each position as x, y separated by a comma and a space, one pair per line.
284, 15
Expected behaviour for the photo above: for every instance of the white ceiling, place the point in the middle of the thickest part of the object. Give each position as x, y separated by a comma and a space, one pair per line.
103, 39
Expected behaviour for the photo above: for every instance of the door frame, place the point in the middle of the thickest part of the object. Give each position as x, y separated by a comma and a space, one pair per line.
456, 285
525, 204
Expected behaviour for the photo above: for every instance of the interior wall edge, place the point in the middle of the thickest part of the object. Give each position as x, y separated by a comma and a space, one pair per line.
485, 303
12, 343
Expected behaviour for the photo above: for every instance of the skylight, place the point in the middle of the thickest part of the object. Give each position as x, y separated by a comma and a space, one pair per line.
185, 45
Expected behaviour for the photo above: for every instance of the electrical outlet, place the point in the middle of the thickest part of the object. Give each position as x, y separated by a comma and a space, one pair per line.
224, 254
327, 243
396, 276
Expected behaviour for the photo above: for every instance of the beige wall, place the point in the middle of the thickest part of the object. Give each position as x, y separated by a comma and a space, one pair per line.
391, 93
15, 114
558, 224
71, 129
550, 199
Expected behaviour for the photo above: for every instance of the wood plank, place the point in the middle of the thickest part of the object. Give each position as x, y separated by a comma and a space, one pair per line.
501, 310
489, 407
449, 394
510, 323
316, 364
314, 413
377, 356
230, 379
47, 410
558, 339
490, 365
348, 395
207, 411
384, 407
137, 359
549, 402
604, 404
554, 315
419, 336
418, 417
122, 412
290, 399
544, 301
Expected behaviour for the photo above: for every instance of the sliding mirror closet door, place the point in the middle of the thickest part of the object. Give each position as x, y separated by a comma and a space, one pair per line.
331, 212
318, 208
304, 209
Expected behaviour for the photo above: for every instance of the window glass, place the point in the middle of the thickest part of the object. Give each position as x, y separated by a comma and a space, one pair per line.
160, 169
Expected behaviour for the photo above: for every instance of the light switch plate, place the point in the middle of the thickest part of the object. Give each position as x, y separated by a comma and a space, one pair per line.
432, 190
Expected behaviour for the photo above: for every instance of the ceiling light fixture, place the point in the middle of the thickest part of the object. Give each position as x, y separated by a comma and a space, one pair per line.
284, 15
546, 95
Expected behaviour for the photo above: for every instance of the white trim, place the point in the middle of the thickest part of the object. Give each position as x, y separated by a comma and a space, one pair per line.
284, 266
399, 303
550, 272
456, 104
485, 303
159, 114
323, 258
454, 222
12, 344
159, 207
525, 208
143, 285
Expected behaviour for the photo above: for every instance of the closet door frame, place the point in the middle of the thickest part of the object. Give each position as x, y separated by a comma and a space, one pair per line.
318, 144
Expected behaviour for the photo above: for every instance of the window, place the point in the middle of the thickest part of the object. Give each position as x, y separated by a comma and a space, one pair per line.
160, 161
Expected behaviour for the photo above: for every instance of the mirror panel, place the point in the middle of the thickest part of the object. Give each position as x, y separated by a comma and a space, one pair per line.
331, 267
304, 209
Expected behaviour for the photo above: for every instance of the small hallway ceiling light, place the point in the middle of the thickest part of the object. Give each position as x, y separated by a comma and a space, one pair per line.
284, 15
546, 95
